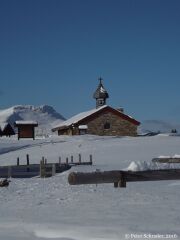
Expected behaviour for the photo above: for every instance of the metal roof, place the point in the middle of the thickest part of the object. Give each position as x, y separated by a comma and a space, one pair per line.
100, 91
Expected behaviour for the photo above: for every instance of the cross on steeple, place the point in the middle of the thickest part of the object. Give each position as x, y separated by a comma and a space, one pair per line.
100, 80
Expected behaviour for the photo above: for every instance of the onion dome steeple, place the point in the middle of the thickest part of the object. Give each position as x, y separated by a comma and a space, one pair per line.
100, 94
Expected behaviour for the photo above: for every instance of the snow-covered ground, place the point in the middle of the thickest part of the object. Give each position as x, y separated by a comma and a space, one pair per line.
52, 209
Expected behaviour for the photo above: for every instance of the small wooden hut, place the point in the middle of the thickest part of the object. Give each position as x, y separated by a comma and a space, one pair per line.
26, 129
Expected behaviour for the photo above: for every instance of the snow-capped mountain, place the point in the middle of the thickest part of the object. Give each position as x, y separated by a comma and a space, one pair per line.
158, 126
45, 115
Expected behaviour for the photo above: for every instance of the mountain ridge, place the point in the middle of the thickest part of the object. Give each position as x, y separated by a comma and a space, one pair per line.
45, 115
158, 126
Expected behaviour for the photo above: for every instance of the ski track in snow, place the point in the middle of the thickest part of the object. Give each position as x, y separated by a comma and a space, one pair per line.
15, 148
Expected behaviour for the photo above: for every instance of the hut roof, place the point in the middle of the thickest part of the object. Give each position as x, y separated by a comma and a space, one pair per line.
34, 123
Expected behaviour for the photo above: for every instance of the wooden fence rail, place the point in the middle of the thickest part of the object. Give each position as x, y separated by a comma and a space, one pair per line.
32, 170
119, 178
166, 160
43, 169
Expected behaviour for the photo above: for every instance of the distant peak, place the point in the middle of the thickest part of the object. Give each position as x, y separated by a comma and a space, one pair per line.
45, 115
47, 108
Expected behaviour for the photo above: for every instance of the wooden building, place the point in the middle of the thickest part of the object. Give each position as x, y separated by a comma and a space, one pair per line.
26, 129
103, 120
6, 129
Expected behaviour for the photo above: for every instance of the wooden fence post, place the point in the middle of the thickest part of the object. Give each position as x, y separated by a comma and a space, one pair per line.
42, 168
17, 161
122, 181
71, 159
79, 158
90, 158
59, 160
67, 160
9, 171
53, 169
27, 157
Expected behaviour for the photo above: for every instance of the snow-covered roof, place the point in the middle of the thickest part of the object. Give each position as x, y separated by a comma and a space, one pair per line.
79, 117
26, 123
102, 90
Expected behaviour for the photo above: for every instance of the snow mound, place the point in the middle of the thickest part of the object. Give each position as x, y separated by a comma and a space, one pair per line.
174, 156
139, 166
45, 115
144, 166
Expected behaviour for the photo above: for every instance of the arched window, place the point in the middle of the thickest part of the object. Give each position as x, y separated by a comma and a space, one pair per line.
101, 102
107, 125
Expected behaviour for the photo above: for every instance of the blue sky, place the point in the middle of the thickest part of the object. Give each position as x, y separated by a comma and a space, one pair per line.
52, 52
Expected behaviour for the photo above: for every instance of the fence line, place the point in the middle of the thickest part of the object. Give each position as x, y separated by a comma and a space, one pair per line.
43, 169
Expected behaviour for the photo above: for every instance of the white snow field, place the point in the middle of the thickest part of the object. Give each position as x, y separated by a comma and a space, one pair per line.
37, 209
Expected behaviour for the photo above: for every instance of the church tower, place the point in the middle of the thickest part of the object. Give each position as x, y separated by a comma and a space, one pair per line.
100, 94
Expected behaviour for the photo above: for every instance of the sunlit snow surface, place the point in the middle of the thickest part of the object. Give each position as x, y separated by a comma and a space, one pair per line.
52, 209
